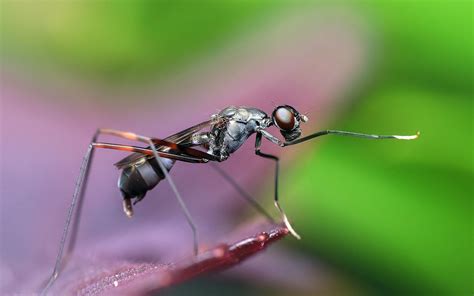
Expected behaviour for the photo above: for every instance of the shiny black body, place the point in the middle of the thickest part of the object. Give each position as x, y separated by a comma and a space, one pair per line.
137, 179
228, 130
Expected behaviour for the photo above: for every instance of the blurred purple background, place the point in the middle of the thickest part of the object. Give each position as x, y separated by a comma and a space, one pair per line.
47, 126
376, 217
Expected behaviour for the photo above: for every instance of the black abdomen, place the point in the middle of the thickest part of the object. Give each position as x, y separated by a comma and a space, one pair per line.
137, 179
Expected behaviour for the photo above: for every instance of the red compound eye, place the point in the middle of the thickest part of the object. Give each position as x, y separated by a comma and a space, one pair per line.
284, 118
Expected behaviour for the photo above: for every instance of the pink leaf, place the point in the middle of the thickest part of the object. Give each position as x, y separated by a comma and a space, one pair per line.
143, 278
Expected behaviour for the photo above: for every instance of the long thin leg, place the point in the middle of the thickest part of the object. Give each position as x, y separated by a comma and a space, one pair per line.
152, 142
258, 141
78, 195
78, 214
77, 201
144, 151
242, 192
149, 151
352, 134
83, 174
159, 142
178, 197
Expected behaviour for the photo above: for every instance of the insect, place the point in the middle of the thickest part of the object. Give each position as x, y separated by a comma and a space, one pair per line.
220, 136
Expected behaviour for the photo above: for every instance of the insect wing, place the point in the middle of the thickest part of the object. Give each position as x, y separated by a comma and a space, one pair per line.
177, 138
186, 134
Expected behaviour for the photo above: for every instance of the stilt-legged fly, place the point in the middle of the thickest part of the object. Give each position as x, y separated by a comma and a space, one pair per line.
221, 136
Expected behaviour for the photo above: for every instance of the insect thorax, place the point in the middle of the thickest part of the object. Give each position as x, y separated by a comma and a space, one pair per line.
240, 123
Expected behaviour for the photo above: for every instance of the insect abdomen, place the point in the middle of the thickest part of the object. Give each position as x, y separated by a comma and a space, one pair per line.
137, 179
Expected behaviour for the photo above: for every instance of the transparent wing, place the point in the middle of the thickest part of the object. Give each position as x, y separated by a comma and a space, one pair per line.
186, 134
179, 137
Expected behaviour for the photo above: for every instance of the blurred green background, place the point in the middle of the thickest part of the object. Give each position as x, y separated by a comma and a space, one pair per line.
390, 217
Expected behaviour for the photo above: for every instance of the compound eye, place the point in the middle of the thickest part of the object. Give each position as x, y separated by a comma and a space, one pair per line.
285, 119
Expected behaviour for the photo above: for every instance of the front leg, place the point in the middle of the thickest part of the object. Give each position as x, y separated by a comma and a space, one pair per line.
280, 143
258, 142
352, 134
261, 132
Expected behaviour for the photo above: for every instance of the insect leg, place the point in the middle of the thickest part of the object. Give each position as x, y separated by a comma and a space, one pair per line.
258, 141
242, 192
178, 196
159, 142
152, 142
352, 134
76, 197
149, 151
